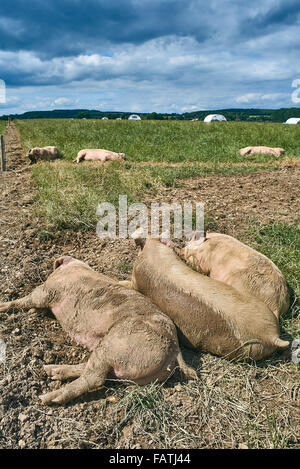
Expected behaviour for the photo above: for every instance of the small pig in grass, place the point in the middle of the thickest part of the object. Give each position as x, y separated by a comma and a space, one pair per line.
43, 154
226, 259
261, 150
210, 315
98, 155
130, 338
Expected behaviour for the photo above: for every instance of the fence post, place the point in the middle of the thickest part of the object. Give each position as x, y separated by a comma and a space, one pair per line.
2, 153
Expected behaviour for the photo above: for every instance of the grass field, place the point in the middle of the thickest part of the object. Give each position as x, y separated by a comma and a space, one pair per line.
157, 141
158, 155
67, 196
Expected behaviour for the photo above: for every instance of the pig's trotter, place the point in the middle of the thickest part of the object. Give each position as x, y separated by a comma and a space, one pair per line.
187, 370
62, 372
87, 382
92, 378
79, 158
39, 298
6, 307
14, 305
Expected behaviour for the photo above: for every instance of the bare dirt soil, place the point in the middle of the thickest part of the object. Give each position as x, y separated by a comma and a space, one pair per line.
226, 409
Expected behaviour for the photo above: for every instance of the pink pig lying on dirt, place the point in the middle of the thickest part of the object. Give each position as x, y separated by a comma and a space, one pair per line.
130, 338
210, 315
261, 150
99, 155
43, 154
226, 259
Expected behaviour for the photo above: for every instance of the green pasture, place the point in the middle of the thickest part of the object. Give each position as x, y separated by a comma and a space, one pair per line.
159, 141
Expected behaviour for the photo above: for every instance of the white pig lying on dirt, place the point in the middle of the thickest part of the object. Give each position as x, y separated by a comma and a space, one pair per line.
130, 338
98, 155
226, 259
210, 315
261, 150
43, 154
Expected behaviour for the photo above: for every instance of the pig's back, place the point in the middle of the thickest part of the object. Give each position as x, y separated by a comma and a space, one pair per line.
213, 316
89, 304
249, 271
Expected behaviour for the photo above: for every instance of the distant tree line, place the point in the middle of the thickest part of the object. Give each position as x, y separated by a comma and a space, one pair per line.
254, 115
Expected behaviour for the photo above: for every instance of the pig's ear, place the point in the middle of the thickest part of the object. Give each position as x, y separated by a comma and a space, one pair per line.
140, 242
165, 239
58, 262
139, 237
199, 236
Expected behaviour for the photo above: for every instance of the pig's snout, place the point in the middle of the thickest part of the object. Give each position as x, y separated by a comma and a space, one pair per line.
31, 157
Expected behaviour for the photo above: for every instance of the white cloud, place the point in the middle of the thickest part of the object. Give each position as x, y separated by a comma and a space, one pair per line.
62, 101
190, 108
258, 97
166, 74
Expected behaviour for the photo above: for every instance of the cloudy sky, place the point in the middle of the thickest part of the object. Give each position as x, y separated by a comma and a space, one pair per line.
149, 55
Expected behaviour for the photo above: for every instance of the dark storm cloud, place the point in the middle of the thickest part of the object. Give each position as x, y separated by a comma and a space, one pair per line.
154, 53
284, 13
279, 14
69, 27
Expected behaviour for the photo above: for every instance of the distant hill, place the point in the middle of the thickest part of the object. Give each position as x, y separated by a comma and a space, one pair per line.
254, 115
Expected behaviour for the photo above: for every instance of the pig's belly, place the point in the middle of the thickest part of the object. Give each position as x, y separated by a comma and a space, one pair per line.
84, 328
88, 340
95, 158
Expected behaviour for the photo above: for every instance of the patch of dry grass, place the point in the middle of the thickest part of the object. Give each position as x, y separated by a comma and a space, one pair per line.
230, 406
67, 195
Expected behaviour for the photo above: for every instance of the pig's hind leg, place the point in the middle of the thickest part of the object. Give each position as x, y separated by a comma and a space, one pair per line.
80, 157
132, 350
62, 372
141, 350
38, 298
92, 376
